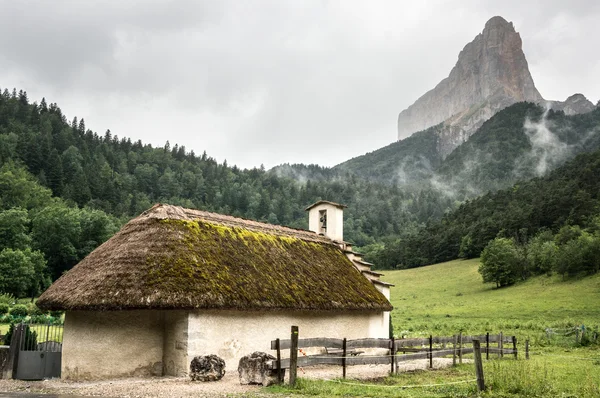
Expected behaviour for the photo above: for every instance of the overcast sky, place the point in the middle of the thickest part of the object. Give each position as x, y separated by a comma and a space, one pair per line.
270, 82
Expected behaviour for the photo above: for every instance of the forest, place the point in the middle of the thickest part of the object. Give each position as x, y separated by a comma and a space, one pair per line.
568, 196
60, 177
65, 189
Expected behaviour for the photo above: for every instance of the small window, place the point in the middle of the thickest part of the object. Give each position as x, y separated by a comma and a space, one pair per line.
323, 221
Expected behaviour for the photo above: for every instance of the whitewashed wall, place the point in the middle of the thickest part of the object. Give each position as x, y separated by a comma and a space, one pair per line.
175, 343
100, 345
335, 221
112, 344
233, 334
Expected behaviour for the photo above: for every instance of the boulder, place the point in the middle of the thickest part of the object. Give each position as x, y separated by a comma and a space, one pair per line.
207, 368
254, 369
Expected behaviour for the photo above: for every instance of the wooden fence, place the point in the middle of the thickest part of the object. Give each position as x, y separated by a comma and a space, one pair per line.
344, 352
581, 334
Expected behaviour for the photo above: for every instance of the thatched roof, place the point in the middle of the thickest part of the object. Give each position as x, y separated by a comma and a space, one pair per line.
175, 258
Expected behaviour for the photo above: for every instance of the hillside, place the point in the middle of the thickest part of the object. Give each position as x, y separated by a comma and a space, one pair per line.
410, 160
124, 178
42, 236
121, 178
569, 195
446, 298
518, 143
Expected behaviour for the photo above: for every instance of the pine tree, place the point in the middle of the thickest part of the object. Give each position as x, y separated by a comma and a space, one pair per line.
54, 174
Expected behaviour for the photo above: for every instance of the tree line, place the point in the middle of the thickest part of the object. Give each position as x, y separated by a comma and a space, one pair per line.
94, 183
61, 177
570, 252
568, 196
42, 236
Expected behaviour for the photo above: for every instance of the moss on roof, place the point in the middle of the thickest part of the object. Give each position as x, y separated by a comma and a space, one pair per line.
174, 258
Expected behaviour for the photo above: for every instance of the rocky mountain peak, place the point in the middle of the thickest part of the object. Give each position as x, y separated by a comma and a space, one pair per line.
498, 22
575, 104
491, 73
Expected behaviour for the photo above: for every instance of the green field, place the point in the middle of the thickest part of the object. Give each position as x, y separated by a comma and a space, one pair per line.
445, 299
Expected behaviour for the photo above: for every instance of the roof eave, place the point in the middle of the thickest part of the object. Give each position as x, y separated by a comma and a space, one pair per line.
338, 205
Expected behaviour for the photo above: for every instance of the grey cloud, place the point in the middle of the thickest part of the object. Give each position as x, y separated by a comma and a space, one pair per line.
270, 81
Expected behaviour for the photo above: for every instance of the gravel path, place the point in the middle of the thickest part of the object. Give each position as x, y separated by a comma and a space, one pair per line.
176, 387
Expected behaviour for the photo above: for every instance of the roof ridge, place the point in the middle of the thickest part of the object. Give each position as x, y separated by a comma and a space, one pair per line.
168, 211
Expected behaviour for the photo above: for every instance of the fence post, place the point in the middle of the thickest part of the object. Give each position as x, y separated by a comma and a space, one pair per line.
478, 365
514, 341
294, 356
526, 349
453, 350
460, 348
430, 352
344, 359
278, 347
500, 338
393, 354
395, 357
487, 346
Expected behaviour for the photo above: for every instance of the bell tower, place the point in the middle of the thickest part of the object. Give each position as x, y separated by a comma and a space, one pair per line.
327, 218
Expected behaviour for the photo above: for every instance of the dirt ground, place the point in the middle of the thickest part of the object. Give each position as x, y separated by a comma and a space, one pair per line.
176, 387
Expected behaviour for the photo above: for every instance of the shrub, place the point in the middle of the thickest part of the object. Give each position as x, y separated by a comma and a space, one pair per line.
19, 310
7, 298
56, 314
33, 309
4, 308
40, 318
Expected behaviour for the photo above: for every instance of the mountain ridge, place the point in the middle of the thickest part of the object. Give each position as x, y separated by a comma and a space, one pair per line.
490, 74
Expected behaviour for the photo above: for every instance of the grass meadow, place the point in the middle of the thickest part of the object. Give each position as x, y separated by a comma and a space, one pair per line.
445, 299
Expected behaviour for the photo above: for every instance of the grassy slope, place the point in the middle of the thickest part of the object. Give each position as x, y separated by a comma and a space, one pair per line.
423, 297
449, 297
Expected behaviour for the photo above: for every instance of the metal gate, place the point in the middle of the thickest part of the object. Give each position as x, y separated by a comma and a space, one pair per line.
40, 351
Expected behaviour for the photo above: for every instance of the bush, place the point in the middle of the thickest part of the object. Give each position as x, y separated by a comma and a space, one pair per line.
43, 319
19, 310
6, 298
56, 314
4, 308
33, 309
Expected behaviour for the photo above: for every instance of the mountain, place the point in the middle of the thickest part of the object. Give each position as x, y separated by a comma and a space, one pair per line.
410, 160
519, 142
569, 195
491, 73
574, 105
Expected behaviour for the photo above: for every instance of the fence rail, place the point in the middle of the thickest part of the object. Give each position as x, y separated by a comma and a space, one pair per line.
343, 352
